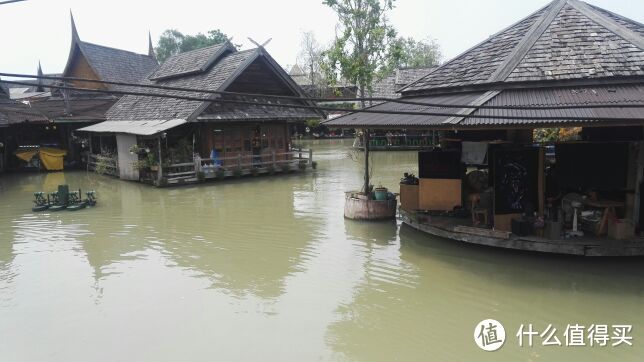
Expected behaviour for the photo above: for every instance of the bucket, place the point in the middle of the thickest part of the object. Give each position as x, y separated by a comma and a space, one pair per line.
380, 193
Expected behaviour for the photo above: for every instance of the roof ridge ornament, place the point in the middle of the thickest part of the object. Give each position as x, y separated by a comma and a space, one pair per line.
40, 87
151, 47
522, 48
75, 36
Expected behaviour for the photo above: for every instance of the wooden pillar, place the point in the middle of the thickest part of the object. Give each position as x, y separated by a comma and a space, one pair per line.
541, 179
365, 188
160, 169
310, 156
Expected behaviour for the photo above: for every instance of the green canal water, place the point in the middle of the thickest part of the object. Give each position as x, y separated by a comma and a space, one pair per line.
267, 268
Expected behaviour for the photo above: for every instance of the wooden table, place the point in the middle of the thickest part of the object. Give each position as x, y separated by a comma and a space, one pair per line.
609, 211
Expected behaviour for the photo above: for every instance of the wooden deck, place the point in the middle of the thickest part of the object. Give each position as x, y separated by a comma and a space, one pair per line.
459, 229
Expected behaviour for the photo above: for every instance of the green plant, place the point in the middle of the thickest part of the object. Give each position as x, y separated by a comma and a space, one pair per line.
135, 149
314, 165
271, 169
302, 165
140, 165
237, 172
254, 171
104, 163
221, 173
201, 176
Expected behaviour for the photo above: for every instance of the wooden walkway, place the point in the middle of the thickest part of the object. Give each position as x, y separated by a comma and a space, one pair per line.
458, 229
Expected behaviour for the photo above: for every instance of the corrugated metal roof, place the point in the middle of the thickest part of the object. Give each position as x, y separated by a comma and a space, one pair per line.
140, 128
606, 94
629, 94
402, 120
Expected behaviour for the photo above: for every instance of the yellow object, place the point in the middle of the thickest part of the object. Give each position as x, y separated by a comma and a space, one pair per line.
52, 158
26, 155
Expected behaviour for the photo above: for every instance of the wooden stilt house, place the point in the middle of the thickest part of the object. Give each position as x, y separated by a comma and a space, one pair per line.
171, 140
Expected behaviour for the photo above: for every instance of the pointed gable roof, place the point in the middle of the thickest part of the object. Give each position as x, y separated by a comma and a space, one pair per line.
108, 63
212, 68
567, 39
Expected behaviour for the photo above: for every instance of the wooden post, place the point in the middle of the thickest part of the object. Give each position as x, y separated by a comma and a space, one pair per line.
197, 161
239, 161
310, 156
541, 181
366, 162
299, 153
273, 158
160, 169
640, 169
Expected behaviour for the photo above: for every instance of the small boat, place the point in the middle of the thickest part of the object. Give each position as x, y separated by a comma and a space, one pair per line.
75, 201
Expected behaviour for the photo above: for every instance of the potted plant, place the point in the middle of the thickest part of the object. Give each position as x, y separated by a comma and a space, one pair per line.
380, 193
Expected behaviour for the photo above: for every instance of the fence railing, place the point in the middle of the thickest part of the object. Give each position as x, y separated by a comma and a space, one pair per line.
396, 141
107, 165
242, 164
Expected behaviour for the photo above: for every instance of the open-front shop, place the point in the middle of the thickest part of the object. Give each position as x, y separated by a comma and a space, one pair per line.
498, 175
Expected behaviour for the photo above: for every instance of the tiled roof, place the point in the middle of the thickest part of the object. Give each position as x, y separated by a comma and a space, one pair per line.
13, 112
130, 107
387, 86
116, 65
216, 78
568, 39
232, 111
190, 62
86, 108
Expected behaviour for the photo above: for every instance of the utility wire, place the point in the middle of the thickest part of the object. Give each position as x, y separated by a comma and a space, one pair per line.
314, 99
10, 1
365, 110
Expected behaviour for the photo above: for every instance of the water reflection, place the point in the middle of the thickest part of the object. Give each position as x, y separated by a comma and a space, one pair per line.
204, 272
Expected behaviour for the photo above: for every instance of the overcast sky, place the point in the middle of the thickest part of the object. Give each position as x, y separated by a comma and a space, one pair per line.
40, 29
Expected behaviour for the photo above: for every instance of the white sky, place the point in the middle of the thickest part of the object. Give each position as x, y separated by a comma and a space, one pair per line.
40, 29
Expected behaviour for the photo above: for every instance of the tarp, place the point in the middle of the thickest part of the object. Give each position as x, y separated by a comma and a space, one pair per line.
26, 155
52, 158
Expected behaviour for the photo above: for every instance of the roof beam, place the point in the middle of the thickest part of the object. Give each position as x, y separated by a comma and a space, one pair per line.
513, 59
482, 99
608, 23
531, 36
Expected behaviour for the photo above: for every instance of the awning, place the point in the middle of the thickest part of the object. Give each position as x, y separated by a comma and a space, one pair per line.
140, 128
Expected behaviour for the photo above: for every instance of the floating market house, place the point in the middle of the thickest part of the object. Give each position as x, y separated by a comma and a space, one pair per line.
166, 140
491, 182
64, 111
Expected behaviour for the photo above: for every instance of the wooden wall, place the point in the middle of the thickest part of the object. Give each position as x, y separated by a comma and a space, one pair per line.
80, 68
231, 140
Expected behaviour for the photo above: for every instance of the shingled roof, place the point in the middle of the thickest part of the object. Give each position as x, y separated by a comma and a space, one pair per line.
110, 64
566, 40
209, 69
387, 86
13, 112
567, 53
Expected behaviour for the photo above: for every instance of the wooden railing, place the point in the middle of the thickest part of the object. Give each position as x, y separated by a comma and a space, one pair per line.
240, 165
108, 165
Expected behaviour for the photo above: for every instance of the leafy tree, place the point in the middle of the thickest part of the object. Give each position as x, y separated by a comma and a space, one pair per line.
310, 57
363, 41
173, 42
411, 53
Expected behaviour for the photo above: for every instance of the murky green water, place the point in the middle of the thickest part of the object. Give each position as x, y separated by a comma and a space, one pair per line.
268, 269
